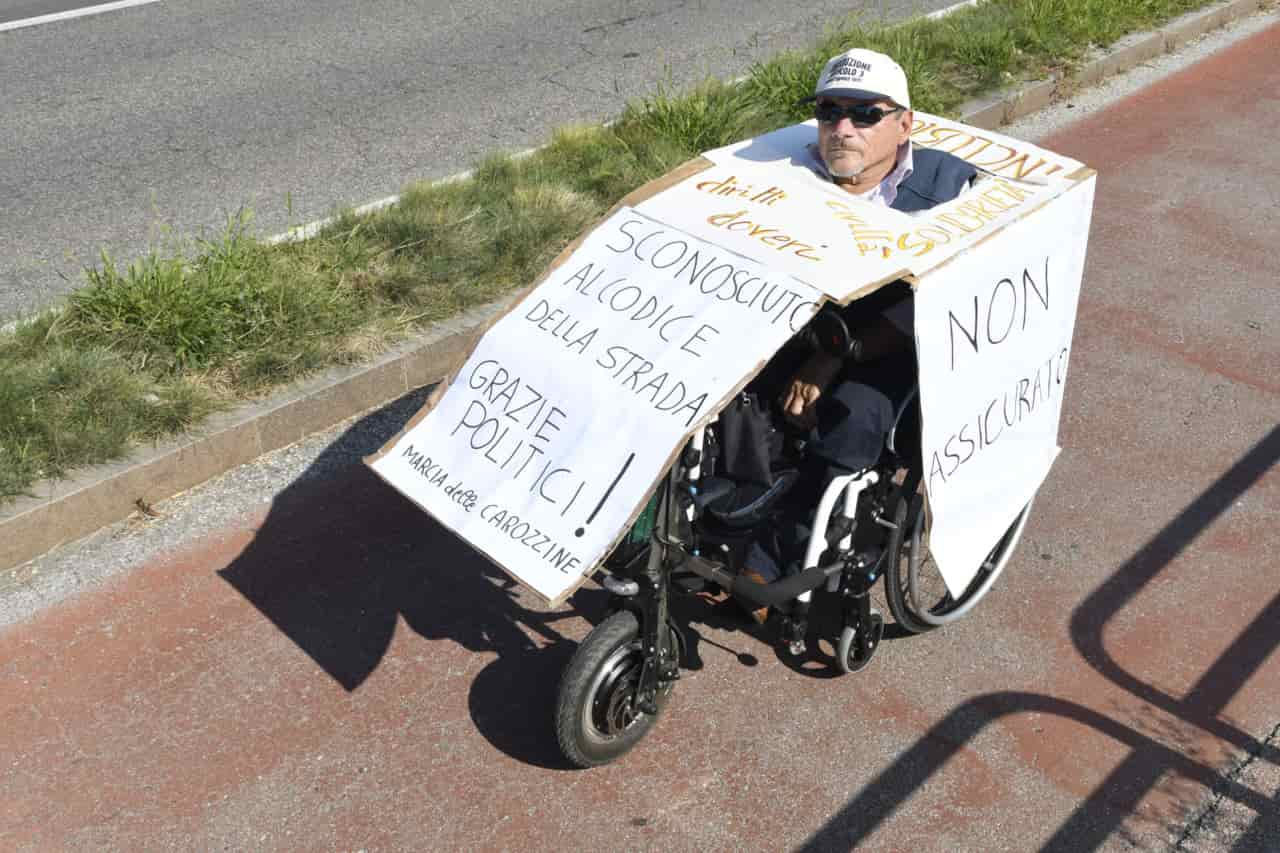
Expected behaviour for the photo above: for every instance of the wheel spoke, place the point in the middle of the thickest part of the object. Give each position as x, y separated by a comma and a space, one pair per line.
918, 595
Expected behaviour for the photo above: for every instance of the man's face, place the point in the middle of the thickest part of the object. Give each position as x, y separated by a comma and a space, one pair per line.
850, 150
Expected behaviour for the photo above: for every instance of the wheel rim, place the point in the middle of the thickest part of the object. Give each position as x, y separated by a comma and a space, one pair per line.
850, 655
946, 608
612, 710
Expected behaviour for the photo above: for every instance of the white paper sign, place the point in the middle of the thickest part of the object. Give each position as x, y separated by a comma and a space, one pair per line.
761, 198
993, 338
547, 441
543, 447
1002, 156
781, 215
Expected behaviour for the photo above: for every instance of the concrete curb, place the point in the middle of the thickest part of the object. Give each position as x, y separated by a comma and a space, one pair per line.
65, 510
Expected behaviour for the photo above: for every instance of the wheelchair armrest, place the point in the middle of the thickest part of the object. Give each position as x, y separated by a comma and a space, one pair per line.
897, 417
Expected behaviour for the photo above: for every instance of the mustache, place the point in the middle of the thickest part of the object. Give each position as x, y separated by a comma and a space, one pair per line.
844, 143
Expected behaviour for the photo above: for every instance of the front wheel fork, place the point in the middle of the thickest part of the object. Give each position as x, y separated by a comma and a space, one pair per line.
647, 597
861, 621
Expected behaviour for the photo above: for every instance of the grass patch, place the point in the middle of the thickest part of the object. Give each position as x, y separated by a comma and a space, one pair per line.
147, 350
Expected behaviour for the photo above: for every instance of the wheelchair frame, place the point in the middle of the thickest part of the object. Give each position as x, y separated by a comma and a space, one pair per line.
879, 505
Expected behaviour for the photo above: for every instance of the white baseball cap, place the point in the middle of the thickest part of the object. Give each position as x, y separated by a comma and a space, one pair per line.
861, 73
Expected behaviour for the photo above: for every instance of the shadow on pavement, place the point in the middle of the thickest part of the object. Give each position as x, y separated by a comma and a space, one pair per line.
1111, 803
341, 555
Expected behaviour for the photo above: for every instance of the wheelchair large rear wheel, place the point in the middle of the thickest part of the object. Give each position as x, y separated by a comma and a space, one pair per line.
597, 718
917, 596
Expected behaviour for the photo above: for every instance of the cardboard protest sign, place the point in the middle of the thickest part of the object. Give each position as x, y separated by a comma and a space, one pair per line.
998, 155
993, 339
764, 199
543, 447
788, 219
549, 438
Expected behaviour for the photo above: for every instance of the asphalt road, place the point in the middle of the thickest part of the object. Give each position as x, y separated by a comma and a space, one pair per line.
124, 128
322, 667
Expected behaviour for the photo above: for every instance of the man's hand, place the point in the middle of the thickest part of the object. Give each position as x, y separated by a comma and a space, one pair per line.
806, 388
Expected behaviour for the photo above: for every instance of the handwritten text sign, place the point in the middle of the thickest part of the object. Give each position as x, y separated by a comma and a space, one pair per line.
784, 218
567, 411
993, 337
762, 198
1001, 156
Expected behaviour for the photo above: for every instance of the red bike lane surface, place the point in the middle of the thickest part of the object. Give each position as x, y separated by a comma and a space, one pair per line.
338, 672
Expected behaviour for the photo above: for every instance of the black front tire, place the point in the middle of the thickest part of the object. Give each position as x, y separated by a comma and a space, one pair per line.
596, 717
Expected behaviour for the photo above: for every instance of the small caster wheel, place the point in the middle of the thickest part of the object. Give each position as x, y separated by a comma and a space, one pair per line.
857, 648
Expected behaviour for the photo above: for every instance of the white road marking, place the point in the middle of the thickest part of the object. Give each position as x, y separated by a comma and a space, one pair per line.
299, 233
73, 13
955, 7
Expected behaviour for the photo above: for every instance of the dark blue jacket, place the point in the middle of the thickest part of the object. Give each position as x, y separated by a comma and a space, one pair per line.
936, 177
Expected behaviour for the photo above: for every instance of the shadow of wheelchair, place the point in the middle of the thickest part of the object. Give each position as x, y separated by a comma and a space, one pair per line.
340, 557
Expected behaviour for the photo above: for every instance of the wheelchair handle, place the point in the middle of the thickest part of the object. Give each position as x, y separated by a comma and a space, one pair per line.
829, 332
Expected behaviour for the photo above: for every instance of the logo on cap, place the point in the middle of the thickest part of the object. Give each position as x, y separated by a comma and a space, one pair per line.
848, 68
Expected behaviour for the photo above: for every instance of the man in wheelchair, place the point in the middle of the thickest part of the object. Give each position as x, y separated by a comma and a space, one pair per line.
842, 397
819, 439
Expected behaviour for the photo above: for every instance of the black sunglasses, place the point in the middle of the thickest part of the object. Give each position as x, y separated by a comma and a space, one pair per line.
862, 115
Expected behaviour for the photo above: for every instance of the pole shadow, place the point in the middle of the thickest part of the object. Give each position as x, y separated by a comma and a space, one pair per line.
1103, 813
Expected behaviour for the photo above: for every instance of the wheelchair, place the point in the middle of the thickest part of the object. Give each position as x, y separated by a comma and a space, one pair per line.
866, 526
